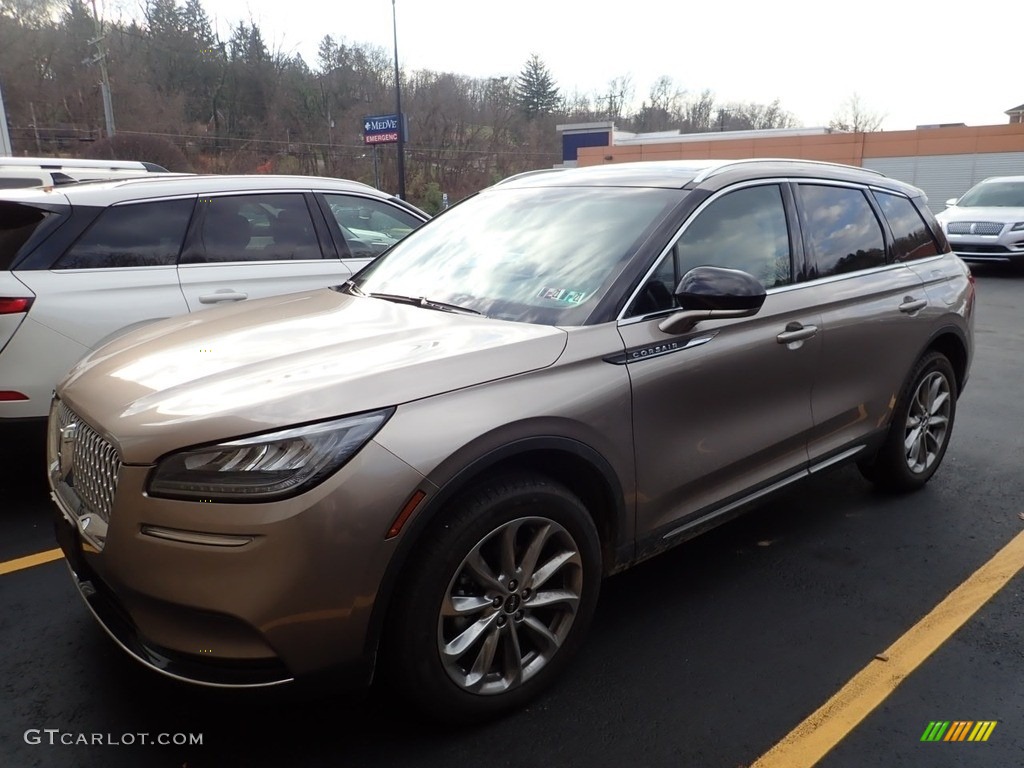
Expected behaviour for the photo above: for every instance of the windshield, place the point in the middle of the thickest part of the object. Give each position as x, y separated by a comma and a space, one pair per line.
534, 255
1001, 194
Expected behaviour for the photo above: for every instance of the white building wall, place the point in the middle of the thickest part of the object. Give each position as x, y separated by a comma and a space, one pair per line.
945, 176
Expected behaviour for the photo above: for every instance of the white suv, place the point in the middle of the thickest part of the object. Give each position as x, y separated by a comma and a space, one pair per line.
83, 263
987, 223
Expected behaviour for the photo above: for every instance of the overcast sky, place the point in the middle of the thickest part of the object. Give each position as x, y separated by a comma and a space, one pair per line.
912, 63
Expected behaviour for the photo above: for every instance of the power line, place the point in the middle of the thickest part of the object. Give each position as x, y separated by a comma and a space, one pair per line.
336, 145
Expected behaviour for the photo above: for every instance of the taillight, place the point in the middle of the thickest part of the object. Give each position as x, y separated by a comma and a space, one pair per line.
7, 395
12, 306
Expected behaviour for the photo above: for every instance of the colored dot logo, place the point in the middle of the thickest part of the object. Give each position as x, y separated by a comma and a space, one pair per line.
959, 730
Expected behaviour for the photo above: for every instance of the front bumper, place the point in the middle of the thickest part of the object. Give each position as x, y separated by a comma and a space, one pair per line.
1006, 248
115, 620
243, 595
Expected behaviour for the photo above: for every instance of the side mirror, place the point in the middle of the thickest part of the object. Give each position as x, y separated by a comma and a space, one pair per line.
706, 293
951, 202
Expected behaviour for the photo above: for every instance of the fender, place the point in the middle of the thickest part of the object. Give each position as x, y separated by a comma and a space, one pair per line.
622, 549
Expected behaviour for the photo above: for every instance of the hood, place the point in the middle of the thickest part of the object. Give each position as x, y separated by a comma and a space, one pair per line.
1001, 213
276, 362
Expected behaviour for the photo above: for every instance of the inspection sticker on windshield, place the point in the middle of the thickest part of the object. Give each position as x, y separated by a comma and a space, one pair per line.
561, 294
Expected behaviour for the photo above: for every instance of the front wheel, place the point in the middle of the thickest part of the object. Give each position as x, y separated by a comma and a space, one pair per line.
497, 601
922, 424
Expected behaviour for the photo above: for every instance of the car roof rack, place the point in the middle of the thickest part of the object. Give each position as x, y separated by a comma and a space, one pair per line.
727, 164
525, 174
62, 163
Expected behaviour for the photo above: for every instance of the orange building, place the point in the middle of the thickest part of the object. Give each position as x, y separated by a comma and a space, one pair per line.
944, 161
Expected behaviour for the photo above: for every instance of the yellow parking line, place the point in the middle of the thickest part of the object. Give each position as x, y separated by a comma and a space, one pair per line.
811, 740
27, 562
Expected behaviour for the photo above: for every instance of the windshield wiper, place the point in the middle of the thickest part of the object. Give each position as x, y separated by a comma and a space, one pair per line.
422, 301
350, 287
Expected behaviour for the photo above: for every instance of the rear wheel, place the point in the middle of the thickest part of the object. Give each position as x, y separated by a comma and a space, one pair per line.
498, 600
921, 426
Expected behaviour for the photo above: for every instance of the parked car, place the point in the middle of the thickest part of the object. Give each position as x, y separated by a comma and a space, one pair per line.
428, 470
20, 172
987, 223
84, 263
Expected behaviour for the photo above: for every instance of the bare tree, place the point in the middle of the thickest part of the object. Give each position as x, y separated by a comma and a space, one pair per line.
617, 98
750, 116
698, 114
659, 112
855, 116
29, 13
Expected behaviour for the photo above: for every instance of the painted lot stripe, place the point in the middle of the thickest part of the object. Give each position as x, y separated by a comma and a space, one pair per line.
811, 740
27, 562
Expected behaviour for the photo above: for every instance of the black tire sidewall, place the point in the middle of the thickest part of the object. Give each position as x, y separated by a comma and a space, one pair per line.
414, 664
890, 468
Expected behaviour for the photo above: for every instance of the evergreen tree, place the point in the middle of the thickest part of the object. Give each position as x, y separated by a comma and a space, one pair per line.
535, 90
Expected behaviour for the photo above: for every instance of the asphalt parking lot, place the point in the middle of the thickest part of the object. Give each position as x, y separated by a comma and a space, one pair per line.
709, 655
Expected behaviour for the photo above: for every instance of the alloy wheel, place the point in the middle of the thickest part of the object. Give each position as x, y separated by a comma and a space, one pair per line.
510, 605
928, 419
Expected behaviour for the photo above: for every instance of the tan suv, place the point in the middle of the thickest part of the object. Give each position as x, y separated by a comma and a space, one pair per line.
429, 470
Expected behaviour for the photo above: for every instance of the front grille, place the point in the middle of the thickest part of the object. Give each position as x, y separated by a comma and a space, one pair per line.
94, 464
974, 227
968, 248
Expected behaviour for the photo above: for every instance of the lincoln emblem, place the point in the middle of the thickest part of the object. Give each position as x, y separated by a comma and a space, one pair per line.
66, 449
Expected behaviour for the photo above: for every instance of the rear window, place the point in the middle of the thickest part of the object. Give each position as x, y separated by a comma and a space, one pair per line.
912, 238
17, 225
135, 235
840, 230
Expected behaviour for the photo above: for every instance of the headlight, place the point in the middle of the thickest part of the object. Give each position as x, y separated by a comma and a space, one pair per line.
264, 467
1017, 227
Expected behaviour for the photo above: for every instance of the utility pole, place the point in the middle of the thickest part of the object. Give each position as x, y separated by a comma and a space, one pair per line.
101, 59
5, 136
35, 129
398, 109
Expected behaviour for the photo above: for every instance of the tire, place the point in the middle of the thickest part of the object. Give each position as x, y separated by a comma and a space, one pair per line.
921, 426
518, 614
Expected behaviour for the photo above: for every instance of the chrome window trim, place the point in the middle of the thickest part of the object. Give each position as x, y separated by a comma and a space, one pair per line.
144, 200
621, 318
250, 262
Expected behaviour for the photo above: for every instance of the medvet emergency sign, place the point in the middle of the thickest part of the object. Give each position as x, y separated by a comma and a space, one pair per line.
380, 129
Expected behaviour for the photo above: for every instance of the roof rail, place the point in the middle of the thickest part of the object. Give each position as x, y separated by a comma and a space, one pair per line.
727, 164
524, 174
61, 163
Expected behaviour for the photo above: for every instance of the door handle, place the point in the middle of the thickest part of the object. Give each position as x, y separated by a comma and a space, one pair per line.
796, 332
911, 305
225, 295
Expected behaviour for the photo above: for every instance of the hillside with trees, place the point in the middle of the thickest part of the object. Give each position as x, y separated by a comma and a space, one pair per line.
213, 104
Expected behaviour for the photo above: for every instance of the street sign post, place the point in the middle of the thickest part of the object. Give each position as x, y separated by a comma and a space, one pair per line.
5, 136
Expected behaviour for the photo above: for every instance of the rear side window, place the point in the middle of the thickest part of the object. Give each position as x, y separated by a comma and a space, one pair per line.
912, 238
275, 227
841, 230
17, 224
135, 235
